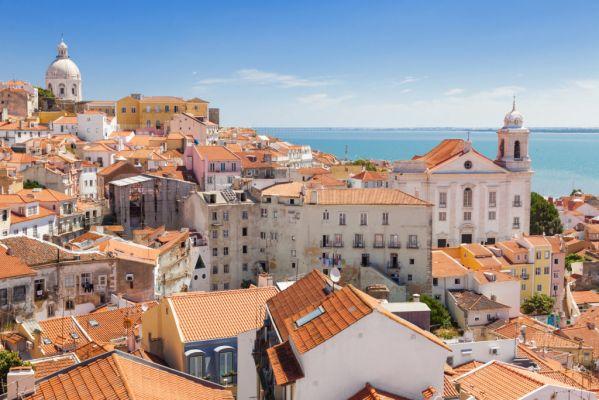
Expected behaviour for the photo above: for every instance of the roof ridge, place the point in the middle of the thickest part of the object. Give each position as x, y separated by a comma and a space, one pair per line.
121, 375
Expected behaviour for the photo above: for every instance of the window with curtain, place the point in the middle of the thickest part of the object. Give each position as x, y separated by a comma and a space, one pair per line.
226, 366
196, 365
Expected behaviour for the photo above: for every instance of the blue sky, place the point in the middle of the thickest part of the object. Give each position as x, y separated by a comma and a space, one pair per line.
326, 63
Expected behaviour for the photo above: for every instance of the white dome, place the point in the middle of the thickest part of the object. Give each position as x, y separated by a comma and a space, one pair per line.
63, 68
514, 118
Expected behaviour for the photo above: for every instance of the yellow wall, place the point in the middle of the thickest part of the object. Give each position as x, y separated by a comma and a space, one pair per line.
127, 120
544, 263
157, 111
49, 116
468, 259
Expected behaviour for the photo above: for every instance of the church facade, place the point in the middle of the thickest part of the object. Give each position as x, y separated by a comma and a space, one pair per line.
475, 199
63, 77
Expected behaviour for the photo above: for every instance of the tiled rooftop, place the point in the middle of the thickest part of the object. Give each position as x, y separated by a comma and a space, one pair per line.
286, 368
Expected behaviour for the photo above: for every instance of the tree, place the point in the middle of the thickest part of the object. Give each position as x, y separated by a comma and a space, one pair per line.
544, 218
574, 191
572, 258
367, 164
9, 359
538, 304
440, 317
32, 185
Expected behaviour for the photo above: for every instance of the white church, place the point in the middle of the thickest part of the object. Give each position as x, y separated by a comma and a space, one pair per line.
63, 77
475, 199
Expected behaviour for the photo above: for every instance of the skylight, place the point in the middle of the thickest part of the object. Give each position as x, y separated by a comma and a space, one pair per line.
310, 316
74, 335
47, 341
93, 322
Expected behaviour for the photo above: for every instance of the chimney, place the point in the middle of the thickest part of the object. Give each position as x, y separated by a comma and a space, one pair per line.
265, 280
314, 197
20, 381
416, 298
4, 115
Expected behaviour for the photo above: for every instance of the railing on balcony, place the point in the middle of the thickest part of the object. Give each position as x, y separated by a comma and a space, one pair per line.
358, 244
516, 226
325, 243
517, 204
394, 244
413, 245
338, 243
393, 265
524, 277
378, 245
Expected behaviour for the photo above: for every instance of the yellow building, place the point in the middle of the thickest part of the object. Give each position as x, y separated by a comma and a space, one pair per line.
151, 113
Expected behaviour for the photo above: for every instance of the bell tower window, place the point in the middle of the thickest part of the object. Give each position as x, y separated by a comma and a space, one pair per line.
517, 150
502, 148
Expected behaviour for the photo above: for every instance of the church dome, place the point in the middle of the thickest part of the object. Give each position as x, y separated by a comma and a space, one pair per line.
514, 118
63, 67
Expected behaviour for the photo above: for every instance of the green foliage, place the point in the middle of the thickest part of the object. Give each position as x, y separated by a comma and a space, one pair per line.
447, 333
544, 218
368, 165
572, 258
44, 93
575, 190
32, 185
245, 283
538, 304
440, 317
9, 359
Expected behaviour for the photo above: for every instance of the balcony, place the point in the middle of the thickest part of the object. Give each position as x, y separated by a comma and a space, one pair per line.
358, 244
517, 204
325, 243
379, 245
393, 265
516, 226
338, 243
413, 246
394, 245
524, 277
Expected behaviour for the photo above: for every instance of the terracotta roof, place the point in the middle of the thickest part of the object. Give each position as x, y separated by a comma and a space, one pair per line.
117, 375
585, 296
222, 314
545, 364
468, 300
122, 164
311, 171
49, 365
445, 266
489, 277
368, 392
536, 240
370, 176
499, 381
36, 252
92, 349
305, 292
366, 196
13, 267
109, 326
285, 367
44, 195
444, 151
60, 334
478, 250
287, 189
325, 181
542, 338
66, 120
42, 212
588, 334
449, 389
216, 153
467, 367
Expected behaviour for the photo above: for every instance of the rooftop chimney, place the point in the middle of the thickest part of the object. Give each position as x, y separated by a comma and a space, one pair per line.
265, 280
20, 381
416, 298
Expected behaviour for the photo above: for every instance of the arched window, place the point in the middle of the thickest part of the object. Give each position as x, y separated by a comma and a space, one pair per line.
50, 87
502, 148
517, 150
226, 367
74, 90
61, 90
195, 363
467, 197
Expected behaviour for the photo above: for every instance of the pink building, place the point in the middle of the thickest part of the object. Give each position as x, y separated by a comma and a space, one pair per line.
214, 167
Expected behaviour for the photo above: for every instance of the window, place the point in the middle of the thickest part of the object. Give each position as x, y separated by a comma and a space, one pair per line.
263, 212
244, 215
225, 233
468, 164
443, 199
225, 215
546, 270
413, 241
244, 267
226, 286
523, 286
69, 304
539, 288
263, 235
412, 261
167, 108
442, 216
275, 214
225, 251
214, 234
69, 281
538, 271
492, 199
385, 218
133, 110
225, 363
517, 150
341, 218
492, 215
195, 364
467, 216
517, 201
358, 240
516, 223
214, 216
244, 249
215, 269
226, 268
102, 280
547, 254
363, 219
3, 297
409, 277
325, 215
435, 281
214, 252
18, 293
457, 281
467, 200
214, 287
244, 231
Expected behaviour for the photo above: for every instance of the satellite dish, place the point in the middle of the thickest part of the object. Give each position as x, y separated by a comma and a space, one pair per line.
144, 307
18, 320
335, 275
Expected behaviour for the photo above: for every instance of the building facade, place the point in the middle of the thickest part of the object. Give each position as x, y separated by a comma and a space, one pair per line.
63, 77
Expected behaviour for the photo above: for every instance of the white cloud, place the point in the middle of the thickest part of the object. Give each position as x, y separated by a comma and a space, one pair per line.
407, 80
405, 90
323, 100
266, 78
454, 92
588, 84
500, 92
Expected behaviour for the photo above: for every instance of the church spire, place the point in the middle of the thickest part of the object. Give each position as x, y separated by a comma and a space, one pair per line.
62, 49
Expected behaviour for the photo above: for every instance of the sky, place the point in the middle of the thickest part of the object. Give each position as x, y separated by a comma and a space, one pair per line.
325, 63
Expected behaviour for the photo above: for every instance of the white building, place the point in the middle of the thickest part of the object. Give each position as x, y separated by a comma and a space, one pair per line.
364, 345
200, 128
476, 199
63, 77
95, 125
88, 181
64, 125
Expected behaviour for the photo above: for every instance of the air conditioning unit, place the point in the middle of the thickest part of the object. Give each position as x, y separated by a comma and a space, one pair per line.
129, 277
494, 350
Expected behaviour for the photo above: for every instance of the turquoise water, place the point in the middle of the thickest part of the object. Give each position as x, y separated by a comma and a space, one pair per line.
561, 158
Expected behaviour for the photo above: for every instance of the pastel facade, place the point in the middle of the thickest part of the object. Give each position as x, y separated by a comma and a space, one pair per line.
94, 125
214, 167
